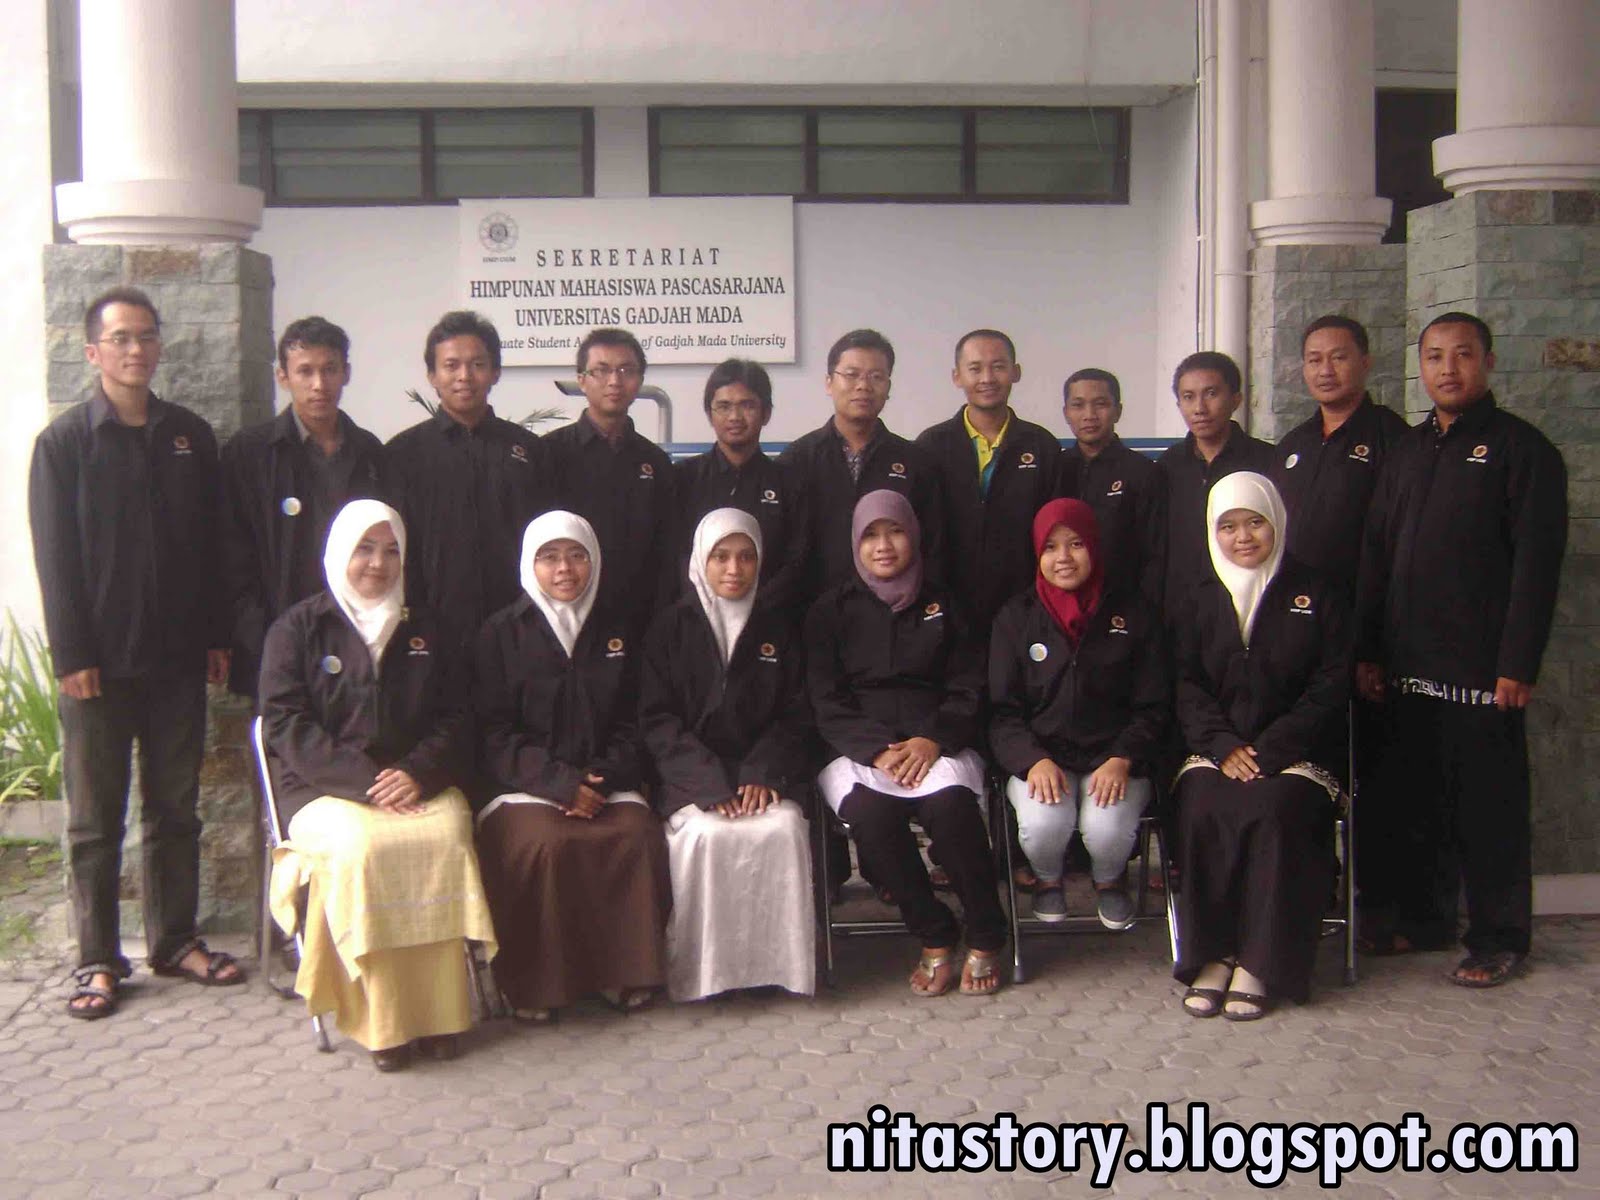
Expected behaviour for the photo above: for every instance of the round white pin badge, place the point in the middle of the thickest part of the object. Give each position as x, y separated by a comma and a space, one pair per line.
332, 665
1038, 652
291, 506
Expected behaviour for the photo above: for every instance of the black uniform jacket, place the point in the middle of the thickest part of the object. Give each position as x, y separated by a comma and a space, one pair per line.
1128, 493
762, 488
275, 525
124, 539
333, 723
816, 463
466, 495
878, 676
1286, 694
711, 729
544, 720
989, 539
1463, 551
1189, 478
1327, 484
626, 492
1109, 698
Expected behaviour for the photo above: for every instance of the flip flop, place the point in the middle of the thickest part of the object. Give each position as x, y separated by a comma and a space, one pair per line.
929, 965
980, 966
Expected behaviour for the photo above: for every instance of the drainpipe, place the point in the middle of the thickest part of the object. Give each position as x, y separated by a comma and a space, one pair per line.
1230, 266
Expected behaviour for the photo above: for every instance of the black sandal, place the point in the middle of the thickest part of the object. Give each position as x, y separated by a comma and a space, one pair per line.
395, 1058
1263, 1005
87, 988
1499, 967
217, 961
1212, 997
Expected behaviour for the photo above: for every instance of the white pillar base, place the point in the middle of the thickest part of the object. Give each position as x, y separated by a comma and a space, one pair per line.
158, 210
1550, 158
1320, 220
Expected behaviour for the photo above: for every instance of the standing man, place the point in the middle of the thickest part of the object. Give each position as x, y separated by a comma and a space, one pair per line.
122, 498
735, 473
853, 454
1126, 490
619, 480
995, 471
1209, 390
466, 483
1327, 467
283, 482
1459, 569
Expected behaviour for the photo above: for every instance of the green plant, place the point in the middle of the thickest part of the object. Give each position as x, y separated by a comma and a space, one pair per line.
30, 736
537, 417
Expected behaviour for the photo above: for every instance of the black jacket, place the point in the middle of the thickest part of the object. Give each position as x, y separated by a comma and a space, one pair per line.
1109, 698
711, 729
544, 720
1286, 694
876, 676
1327, 484
1128, 493
124, 539
763, 489
466, 495
275, 520
333, 723
1462, 553
816, 464
626, 492
989, 539
1189, 478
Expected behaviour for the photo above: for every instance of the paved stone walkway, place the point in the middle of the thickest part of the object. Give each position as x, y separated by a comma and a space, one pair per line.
190, 1091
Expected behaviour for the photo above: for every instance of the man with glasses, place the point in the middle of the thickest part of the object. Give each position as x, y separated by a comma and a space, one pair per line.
122, 498
466, 482
618, 480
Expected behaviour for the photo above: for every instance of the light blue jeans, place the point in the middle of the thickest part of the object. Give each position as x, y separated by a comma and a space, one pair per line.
1108, 833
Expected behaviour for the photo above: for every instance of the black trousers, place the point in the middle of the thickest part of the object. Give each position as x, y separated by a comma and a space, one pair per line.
166, 714
1451, 807
881, 827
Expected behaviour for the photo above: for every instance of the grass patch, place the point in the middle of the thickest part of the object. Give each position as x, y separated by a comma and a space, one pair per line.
25, 866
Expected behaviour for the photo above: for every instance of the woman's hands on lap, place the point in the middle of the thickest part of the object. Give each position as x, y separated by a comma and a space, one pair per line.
395, 791
908, 762
1241, 764
1109, 783
749, 800
1047, 783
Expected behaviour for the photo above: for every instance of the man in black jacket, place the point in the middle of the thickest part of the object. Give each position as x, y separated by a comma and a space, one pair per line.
283, 482
995, 471
1459, 569
122, 498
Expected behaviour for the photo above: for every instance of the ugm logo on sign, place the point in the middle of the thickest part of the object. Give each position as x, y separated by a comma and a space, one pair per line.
497, 232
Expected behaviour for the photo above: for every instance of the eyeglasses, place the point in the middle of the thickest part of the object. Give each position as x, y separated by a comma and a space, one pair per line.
874, 379
122, 341
558, 558
726, 408
623, 374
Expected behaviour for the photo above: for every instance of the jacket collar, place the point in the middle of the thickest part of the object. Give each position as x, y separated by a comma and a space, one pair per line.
101, 411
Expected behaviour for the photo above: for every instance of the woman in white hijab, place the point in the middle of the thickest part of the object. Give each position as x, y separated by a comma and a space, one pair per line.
722, 706
366, 724
573, 858
1263, 679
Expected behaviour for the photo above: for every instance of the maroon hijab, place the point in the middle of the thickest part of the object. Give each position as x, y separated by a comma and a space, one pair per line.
880, 505
1071, 610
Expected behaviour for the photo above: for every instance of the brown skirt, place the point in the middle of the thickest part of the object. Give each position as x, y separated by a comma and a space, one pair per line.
579, 906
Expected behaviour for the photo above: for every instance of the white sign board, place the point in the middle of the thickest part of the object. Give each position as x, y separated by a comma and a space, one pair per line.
697, 280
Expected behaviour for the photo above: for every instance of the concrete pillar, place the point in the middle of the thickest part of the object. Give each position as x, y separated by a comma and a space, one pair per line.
160, 126
1527, 98
1321, 165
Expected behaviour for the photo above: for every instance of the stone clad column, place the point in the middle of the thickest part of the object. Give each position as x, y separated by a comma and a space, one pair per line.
1527, 98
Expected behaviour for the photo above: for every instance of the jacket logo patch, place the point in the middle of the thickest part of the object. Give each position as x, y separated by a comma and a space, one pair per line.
331, 664
1302, 605
931, 611
1119, 625
647, 471
1116, 487
519, 452
769, 652
1027, 460
291, 506
418, 646
1038, 652
1362, 451
1290, 462
180, 445
1479, 454
770, 496
897, 470
614, 648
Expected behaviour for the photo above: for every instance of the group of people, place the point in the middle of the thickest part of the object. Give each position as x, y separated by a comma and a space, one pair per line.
563, 697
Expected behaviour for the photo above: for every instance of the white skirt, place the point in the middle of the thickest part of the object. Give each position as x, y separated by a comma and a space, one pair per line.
741, 902
840, 777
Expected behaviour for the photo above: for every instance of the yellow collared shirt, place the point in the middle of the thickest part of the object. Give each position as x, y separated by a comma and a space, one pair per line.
986, 449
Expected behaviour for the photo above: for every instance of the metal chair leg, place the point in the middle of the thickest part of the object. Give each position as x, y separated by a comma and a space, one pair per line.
1001, 826
819, 852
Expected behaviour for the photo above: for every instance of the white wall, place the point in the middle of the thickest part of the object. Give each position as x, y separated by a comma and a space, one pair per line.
1103, 285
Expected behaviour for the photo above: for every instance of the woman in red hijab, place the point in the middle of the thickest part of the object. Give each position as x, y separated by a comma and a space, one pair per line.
1079, 703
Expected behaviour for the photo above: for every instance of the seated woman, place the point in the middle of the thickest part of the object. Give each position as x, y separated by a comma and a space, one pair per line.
1263, 677
724, 717
573, 858
895, 678
367, 724
1078, 708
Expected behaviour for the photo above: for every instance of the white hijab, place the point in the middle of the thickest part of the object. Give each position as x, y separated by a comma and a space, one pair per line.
727, 617
1255, 493
566, 617
374, 620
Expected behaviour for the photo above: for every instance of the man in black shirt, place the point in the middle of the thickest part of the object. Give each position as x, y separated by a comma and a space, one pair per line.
467, 483
283, 482
122, 498
1126, 490
1459, 569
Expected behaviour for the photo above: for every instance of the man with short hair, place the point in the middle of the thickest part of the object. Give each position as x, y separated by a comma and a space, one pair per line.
619, 480
1209, 390
122, 497
1126, 490
1459, 568
283, 482
995, 471
466, 482
855, 453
